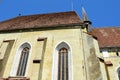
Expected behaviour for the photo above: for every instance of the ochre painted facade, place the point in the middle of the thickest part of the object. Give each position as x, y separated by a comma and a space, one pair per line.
43, 70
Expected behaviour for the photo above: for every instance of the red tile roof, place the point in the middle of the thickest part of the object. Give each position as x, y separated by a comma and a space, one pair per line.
107, 37
41, 20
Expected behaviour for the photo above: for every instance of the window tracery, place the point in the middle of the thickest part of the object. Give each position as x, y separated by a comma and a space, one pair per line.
23, 62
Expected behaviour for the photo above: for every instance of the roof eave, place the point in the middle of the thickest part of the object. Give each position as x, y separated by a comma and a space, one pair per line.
60, 26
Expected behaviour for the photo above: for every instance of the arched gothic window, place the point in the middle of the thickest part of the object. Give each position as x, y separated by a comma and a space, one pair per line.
23, 62
20, 64
118, 73
62, 62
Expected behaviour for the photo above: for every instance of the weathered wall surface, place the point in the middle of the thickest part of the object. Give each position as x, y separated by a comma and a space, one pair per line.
43, 70
92, 63
111, 70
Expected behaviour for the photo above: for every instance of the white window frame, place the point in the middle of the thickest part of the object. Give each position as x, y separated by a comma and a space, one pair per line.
17, 59
55, 60
116, 72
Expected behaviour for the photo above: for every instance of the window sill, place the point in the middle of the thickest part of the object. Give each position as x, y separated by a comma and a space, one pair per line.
15, 78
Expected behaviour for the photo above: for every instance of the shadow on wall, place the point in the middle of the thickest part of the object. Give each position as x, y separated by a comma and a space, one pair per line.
94, 71
7, 49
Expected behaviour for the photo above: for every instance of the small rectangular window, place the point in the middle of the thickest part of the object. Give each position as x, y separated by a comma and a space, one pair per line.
105, 54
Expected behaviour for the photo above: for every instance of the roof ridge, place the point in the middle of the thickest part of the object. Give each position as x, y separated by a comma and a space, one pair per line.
51, 13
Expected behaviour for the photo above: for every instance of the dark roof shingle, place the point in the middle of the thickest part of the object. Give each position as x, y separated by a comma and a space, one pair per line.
107, 37
41, 20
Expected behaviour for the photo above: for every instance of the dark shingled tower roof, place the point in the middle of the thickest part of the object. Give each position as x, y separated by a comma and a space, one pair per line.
41, 21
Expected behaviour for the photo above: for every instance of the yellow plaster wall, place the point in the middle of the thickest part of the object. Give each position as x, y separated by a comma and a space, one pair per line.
71, 36
112, 70
102, 65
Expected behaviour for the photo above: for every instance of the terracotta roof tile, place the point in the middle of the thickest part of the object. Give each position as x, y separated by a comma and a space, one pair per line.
41, 20
107, 37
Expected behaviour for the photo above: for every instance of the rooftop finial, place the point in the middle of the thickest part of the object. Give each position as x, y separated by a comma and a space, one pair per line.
86, 21
19, 14
84, 15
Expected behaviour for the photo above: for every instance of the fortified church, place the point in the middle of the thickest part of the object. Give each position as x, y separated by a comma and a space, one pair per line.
58, 46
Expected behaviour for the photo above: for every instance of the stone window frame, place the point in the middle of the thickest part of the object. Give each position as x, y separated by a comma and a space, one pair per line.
116, 72
13, 72
23, 61
55, 60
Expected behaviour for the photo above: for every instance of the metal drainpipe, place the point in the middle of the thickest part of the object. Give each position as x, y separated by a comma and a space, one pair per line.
84, 54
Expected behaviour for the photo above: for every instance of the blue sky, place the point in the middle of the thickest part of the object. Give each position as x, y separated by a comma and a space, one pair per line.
102, 13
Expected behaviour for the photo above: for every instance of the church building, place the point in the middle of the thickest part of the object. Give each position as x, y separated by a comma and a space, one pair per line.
58, 46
